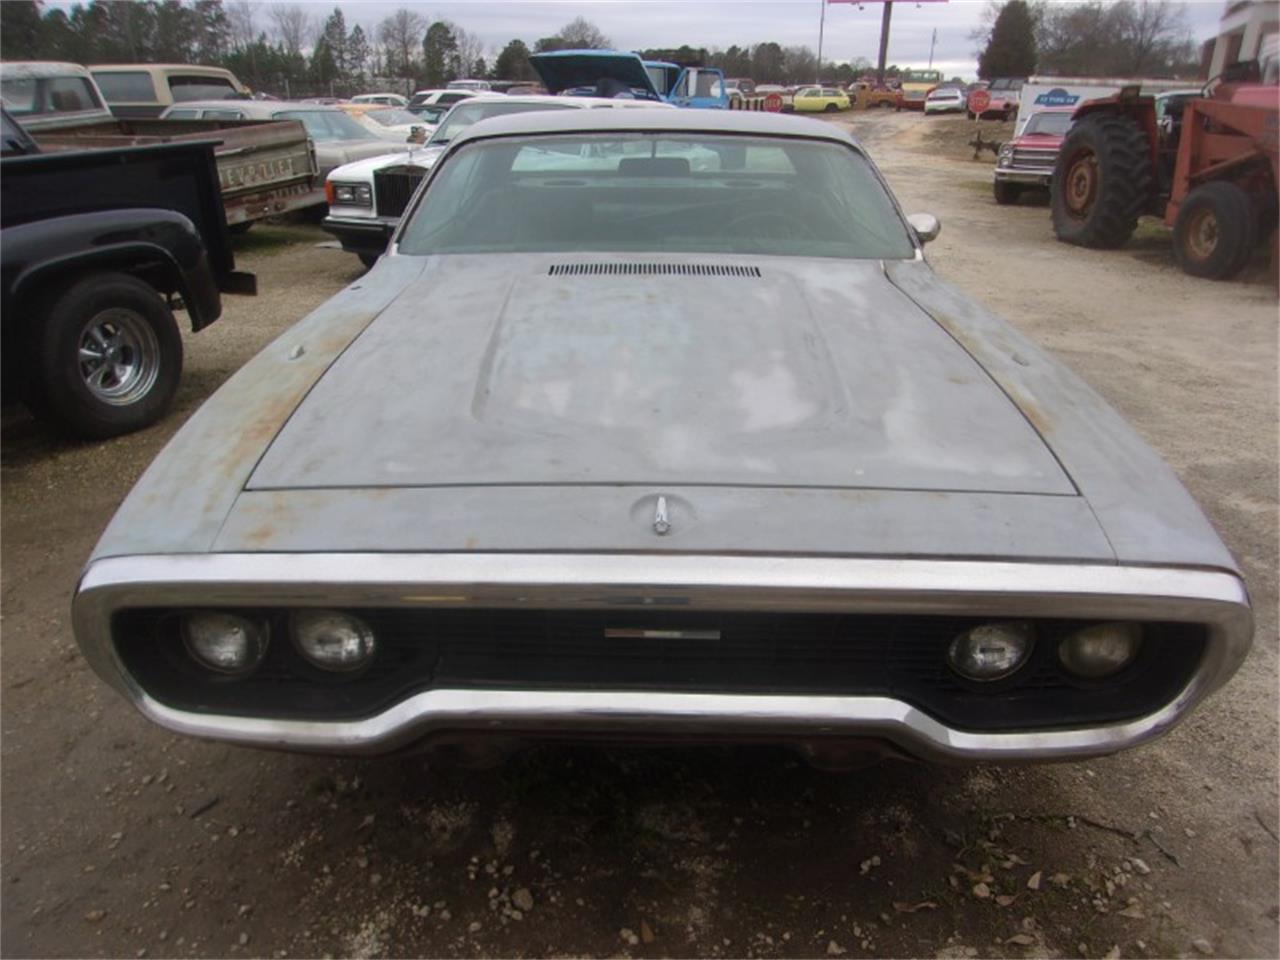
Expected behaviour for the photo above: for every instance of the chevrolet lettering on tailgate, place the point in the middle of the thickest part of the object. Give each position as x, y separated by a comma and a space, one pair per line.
252, 174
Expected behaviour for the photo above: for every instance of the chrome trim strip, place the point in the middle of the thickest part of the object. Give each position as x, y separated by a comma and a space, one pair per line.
1215, 598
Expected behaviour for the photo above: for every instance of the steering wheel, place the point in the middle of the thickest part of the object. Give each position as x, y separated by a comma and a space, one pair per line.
776, 226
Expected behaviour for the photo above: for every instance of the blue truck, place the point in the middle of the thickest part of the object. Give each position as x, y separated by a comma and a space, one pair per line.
616, 73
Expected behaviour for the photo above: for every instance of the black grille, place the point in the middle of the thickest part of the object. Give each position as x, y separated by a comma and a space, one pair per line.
393, 188
669, 650
652, 270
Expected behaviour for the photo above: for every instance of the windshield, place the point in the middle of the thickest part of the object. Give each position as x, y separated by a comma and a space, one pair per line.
465, 114
392, 117
326, 125
920, 76
1053, 124
427, 113
696, 193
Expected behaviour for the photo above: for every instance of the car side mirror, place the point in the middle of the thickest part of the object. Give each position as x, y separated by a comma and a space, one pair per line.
926, 226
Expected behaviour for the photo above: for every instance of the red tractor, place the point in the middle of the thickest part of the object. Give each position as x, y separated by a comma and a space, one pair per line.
1209, 167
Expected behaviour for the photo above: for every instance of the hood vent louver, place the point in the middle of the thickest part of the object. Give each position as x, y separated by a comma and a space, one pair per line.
651, 270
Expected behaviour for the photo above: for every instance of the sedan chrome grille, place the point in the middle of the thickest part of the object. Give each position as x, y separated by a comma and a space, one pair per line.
651, 270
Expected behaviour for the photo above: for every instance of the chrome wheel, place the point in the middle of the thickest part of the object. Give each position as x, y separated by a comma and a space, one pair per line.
119, 356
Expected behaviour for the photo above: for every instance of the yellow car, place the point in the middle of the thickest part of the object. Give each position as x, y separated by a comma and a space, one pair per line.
820, 100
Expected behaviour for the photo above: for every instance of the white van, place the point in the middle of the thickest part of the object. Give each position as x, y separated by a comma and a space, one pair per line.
1041, 93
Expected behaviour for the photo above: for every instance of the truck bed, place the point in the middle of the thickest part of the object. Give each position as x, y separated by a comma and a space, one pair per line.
265, 167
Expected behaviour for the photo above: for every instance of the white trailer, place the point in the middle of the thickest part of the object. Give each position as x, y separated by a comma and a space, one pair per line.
1039, 93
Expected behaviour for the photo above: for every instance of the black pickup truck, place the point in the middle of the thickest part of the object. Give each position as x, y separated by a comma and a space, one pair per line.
97, 249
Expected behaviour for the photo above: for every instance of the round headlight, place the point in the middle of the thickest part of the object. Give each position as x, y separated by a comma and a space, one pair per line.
1100, 650
991, 651
332, 640
224, 642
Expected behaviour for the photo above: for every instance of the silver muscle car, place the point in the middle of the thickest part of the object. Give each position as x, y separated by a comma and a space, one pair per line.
657, 424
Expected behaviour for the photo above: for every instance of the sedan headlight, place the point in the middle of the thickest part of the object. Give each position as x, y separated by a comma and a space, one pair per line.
331, 640
991, 651
1100, 650
353, 194
224, 642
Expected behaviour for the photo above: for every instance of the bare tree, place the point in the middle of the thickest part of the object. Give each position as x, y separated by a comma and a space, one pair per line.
292, 26
581, 34
1125, 38
1150, 31
241, 23
470, 49
401, 36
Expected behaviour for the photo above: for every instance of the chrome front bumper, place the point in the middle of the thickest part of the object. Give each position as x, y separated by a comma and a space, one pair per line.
567, 581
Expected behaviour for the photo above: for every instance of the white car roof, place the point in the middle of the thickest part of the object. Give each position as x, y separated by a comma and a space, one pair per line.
654, 117
254, 109
582, 103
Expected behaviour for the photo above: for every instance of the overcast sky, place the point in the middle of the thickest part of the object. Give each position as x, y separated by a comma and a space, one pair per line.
634, 24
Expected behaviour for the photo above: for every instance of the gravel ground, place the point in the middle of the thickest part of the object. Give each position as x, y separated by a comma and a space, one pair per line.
119, 839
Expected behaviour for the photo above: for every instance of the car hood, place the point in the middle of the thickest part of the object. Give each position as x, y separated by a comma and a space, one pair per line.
1039, 140
571, 69
338, 153
588, 370
363, 170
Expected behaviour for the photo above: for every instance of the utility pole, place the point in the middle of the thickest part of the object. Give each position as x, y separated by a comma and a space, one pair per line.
884, 40
931, 45
822, 22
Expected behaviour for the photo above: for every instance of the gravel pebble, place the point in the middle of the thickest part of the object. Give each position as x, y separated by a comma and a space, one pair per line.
523, 899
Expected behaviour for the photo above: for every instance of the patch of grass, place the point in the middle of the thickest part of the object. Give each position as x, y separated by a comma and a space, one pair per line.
950, 135
1149, 229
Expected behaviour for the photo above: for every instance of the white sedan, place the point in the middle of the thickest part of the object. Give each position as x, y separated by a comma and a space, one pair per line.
367, 197
945, 100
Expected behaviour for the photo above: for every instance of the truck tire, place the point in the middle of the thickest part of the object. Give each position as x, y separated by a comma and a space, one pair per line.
1216, 231
106, 358
1006, 193
1102, 182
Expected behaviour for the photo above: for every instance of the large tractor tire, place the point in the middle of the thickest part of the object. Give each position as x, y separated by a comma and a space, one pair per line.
1102, 182
1216, 231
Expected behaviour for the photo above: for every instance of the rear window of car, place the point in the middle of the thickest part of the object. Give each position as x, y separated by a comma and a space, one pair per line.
134, 86
188, 88
223, 115
465, 114
172, 114
391, 117
26, 96
326, 126
661, 193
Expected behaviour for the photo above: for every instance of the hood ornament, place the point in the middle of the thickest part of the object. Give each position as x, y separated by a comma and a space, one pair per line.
661, 524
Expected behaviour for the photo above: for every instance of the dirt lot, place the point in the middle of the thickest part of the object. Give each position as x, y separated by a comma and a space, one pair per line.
122, 840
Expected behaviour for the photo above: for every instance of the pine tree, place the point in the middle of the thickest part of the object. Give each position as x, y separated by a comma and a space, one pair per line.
357, 53
1011, 50
513, 62
439, 55
334, 35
